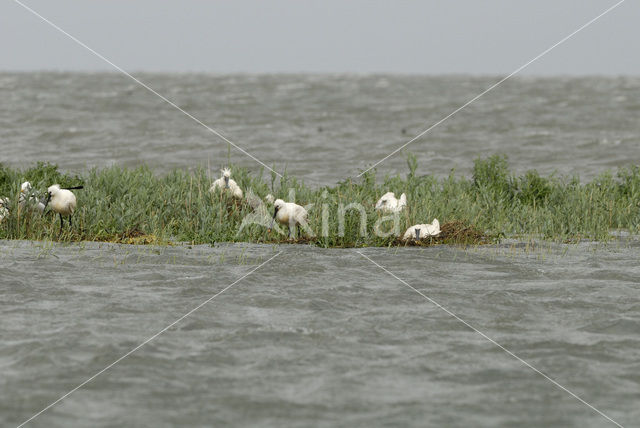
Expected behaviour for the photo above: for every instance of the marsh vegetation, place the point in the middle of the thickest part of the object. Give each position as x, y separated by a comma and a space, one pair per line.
141, 206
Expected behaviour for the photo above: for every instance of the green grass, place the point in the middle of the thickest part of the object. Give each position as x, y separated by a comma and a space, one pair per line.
141, 206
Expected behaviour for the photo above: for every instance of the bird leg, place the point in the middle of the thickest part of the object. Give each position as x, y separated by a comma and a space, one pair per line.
61, 222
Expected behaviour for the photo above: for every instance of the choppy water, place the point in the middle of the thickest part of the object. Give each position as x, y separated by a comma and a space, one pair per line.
319, 337
570, 125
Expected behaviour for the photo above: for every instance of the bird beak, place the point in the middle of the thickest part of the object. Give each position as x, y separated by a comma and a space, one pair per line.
275, 211
73, 188
226, 182
47, 202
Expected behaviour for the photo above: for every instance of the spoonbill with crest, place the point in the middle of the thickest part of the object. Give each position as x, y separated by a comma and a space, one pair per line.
226, 183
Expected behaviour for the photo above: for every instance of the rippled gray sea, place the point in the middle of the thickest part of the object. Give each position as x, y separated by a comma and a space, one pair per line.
319, 337
570, 125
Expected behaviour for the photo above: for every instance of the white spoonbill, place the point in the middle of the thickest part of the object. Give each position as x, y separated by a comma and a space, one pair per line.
288, 213
389, 203
28, 198
420, 231
227, 183
4, 211
63, 201
260, 215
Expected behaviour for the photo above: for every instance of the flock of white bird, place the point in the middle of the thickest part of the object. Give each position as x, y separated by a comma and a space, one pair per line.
63, 202
285, 213
294, 215
388, 203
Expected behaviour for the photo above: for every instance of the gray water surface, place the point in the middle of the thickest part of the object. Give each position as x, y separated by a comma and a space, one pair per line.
319, 337
580, 126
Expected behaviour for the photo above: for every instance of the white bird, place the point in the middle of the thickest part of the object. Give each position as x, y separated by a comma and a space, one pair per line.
290, 214
389, 203
260, 215
4, 211
27, 197
63, 201
420, 231
269, 198
227, 183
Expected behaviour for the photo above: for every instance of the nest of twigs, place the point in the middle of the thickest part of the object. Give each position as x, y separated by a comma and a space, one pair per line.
453, 232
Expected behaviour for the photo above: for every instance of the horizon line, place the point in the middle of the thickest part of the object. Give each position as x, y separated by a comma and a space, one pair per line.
319, 73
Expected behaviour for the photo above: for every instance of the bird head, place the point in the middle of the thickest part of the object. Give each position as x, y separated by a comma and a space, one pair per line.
226, 174
279, 203
25, 187
384, 200
51, 191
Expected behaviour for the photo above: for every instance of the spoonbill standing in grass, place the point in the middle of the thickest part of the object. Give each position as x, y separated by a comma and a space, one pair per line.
27, 198
4, 211
226, 183
388, 203
63, 201
293, 215
260, 215
420, 231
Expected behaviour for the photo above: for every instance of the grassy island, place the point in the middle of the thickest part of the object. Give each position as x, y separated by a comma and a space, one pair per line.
140, 206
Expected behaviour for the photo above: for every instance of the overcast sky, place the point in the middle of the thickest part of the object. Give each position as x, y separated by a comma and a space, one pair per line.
362, 36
